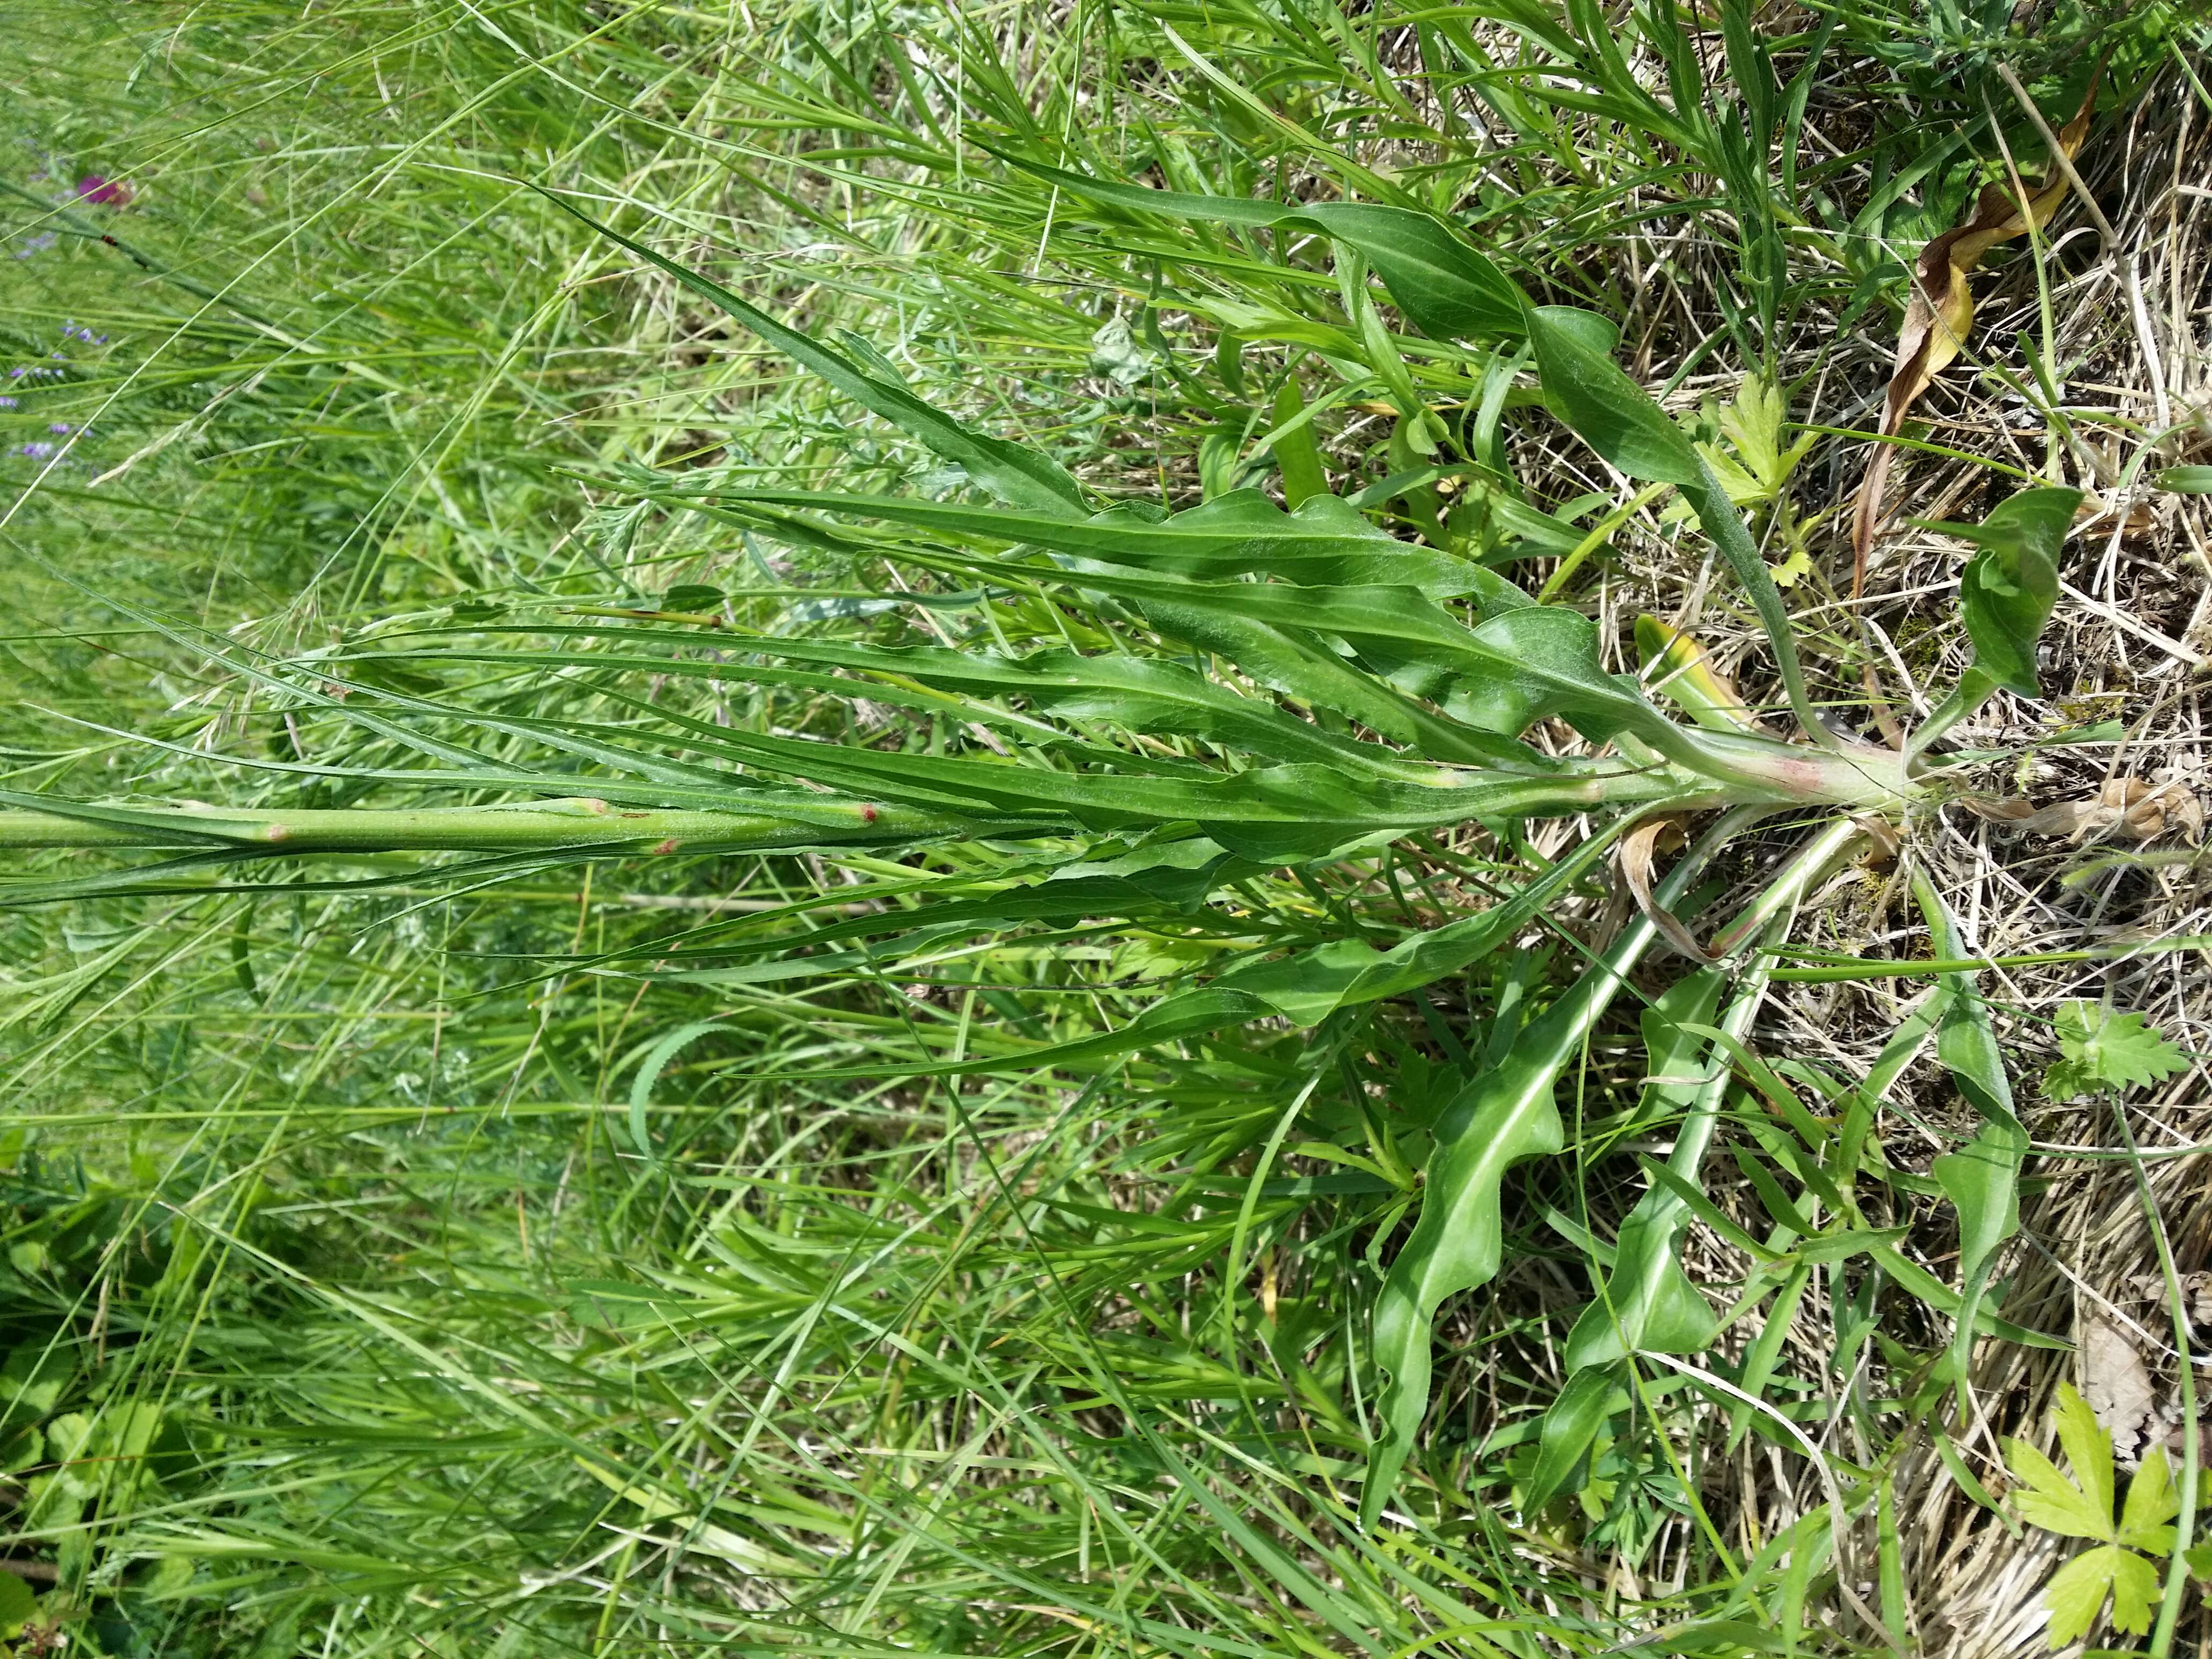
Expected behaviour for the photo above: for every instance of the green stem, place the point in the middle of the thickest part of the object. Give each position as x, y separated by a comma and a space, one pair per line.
1855, 776
1783, 894
543, 826
1836, 968
1965, 698
1598, 538
1725, 526
2176, 1568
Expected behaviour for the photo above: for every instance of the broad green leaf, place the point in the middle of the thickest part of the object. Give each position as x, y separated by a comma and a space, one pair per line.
1139, 694
1271, 813
1647, 1304
2078, 1590
1298, 452
1523, 663
1446, 288
1540, 659
1570, 1423
2146, 1517
1502, 1116
1982, 1178
1015, 474
18, 1605
2186, 480
1519, 664
2008, 587
2100, 1050
1607, 409
2080, 1507
1292, 662
1675, 1073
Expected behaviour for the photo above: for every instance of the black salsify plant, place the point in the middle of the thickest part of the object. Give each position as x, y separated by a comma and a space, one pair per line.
1439, 663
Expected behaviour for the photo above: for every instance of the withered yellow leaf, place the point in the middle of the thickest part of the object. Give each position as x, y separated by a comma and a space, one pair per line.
1941, 310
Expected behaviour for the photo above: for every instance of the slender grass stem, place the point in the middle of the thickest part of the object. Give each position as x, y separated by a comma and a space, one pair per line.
567, 824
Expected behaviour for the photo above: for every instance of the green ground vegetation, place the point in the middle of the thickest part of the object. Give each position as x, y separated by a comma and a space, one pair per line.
837, 827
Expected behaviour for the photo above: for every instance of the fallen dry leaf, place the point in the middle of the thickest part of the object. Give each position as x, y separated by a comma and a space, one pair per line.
2116, 1383
1942, 309
2140, 811
1637, 848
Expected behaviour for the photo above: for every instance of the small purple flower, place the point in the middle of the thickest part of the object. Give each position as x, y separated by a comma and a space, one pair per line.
33, 246
59, 429
99, 192
7, 402
37, 451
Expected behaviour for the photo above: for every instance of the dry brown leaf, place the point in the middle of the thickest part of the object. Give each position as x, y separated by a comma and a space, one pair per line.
2116, 1383
2197, 1287
1942, 309
2141, 811
1878, 830
1637, 850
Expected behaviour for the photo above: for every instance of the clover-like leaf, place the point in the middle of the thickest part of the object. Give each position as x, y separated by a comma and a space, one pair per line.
2077, 1591
1754, 466
2101, 1050
2080, 1507
2146, 1518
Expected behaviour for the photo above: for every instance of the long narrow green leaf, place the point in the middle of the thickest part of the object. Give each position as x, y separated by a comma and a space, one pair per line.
1448, 290
1982, 1178
1502, 1116
1324, 543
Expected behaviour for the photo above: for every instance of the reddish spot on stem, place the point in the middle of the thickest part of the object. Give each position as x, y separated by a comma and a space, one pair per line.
668, 845
277, 832
868, 815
